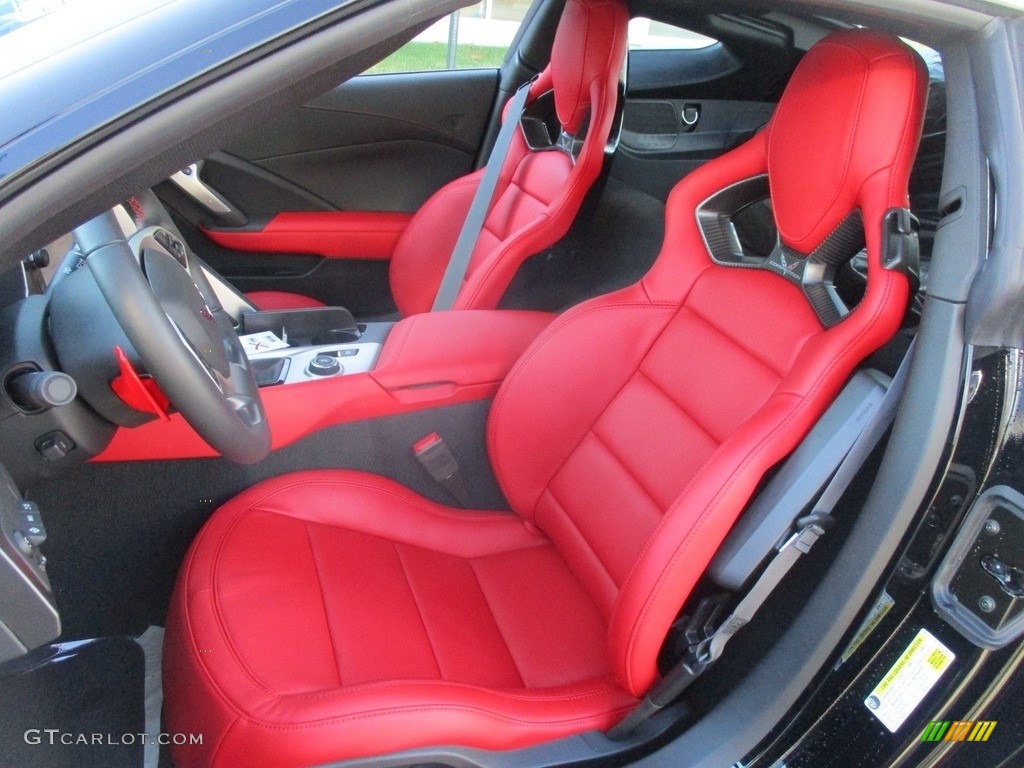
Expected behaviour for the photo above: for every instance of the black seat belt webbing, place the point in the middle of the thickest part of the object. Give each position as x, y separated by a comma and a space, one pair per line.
454, 274
809, 529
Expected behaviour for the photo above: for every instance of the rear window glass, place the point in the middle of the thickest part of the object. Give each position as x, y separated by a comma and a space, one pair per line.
649, 35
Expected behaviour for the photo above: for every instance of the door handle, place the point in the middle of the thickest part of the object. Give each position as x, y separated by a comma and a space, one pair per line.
188, 181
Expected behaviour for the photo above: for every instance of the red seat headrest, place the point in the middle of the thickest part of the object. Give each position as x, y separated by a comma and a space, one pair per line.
844, 118
591, 35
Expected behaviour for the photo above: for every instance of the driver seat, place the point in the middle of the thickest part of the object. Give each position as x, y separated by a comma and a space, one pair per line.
329, 615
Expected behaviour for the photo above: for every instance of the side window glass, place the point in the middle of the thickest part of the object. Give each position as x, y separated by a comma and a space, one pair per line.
472, 38
649, 35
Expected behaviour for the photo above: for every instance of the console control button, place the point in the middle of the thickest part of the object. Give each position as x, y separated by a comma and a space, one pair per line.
324, 365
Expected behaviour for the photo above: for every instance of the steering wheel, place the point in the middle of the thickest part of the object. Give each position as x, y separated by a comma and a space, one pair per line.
185, 339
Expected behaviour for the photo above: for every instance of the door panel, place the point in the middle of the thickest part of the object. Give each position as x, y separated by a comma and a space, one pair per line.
687, 105
360, 284
331, 234
374, 143
655, 72
378, 142
664, 139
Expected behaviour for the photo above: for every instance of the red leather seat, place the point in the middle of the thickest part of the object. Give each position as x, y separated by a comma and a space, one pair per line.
329, 615
538, 193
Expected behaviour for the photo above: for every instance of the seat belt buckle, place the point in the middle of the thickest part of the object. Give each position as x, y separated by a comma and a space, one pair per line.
436, 457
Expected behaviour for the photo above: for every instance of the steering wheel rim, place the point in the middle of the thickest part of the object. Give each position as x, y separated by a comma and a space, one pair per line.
197, 358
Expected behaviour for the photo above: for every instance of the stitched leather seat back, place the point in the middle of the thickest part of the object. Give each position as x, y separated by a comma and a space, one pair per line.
635, 429
539, 192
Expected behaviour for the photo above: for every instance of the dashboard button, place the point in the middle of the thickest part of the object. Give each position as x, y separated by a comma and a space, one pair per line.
23, 544
55, 446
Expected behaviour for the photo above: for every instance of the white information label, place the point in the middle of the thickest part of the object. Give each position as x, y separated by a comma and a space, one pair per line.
908, 681
254, 343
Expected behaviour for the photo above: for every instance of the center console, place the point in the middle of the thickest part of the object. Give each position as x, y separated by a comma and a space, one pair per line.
318, 368
314, 344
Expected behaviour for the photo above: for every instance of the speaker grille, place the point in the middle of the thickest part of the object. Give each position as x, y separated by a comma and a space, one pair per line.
649, 125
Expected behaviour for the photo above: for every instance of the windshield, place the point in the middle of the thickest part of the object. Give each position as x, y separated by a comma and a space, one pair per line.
32, 30
18, 13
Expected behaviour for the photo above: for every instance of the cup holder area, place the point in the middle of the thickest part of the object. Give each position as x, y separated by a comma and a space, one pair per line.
305, 327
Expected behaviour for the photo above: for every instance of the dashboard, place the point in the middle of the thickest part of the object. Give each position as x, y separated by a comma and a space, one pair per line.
70, 377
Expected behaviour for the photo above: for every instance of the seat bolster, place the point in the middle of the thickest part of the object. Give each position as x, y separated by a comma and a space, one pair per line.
693, 528
684, 253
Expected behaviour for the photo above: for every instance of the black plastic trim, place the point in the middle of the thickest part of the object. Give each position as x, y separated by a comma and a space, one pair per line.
772, 515
995, 313
813, 273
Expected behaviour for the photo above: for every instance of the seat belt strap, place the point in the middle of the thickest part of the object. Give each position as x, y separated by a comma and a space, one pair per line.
809, 529
458, 263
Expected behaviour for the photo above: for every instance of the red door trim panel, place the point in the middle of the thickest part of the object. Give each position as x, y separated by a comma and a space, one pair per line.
331, 234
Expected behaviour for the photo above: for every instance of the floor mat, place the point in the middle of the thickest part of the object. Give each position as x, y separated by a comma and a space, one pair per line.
612, 244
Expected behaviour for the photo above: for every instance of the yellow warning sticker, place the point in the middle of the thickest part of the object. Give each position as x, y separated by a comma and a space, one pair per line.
906, 684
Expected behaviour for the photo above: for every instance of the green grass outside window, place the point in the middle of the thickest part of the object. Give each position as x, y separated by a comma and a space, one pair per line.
422, 57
